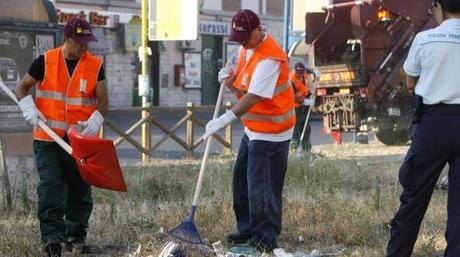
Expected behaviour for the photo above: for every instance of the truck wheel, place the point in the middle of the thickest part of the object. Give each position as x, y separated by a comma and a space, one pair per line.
391, 137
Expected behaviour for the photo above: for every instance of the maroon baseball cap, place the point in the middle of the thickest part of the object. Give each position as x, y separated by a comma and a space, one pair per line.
299, 67
79, 30
243, 23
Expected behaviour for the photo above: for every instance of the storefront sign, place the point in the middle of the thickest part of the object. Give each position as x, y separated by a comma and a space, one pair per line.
214, 28
97, 19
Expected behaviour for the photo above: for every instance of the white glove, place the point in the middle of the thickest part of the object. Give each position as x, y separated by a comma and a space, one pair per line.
216, 124
308, 102
30, 111
317, 74
93, 124
224, 73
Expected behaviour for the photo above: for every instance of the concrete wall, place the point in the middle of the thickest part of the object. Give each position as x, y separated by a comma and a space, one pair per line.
120, 73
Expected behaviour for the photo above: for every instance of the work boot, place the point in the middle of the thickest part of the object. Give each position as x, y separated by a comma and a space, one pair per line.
80, 247
237, 238
53, 248
262, 248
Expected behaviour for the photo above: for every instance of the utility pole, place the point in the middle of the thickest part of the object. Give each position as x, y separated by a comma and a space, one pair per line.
287, 17
144, 85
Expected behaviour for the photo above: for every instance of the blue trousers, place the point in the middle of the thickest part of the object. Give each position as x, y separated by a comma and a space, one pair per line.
436, 141
258, 178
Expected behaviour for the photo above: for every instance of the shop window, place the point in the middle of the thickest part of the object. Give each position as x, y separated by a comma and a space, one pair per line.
231, 5
275, 7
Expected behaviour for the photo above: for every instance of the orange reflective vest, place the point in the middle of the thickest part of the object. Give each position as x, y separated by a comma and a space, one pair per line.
62, 99
300, 88
274, 115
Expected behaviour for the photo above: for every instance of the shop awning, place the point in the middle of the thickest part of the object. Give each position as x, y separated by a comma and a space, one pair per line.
24, 11
299, 48
101, 46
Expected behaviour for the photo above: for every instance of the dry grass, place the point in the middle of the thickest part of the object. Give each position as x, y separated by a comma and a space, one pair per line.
341, 202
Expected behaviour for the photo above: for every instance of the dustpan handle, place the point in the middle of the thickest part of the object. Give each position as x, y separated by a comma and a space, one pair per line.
42, 125
206, 149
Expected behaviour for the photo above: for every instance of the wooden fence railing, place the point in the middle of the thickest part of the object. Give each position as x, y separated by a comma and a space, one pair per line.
190, 120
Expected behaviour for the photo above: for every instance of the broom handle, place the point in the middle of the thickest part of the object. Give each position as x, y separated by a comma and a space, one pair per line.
206, 149
42, 125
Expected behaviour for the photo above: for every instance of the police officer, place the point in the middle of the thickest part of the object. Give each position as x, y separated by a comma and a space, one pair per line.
432, 72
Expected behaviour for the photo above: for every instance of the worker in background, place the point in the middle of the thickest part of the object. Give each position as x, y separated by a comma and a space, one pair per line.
432, 67
266, 109
70, 90
299, 78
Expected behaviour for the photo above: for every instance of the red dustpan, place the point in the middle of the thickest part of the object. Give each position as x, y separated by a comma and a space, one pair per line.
96, 157
97, 161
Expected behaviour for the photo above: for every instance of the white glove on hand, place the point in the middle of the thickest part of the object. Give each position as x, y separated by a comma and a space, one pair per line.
317, 74
30, 111
308, 102
216, 124
93, 124
224, 73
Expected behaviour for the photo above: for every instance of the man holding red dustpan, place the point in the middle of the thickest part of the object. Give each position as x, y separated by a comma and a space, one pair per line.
70, 91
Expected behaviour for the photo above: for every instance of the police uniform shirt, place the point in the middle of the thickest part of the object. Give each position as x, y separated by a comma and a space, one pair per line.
434, 57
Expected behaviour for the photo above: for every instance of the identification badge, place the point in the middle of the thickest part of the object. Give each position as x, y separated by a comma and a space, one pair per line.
244, 81
82, 86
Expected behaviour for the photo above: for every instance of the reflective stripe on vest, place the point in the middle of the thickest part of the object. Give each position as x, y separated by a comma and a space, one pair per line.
274, 119
278, 90
60, 97
60, 125
56, 124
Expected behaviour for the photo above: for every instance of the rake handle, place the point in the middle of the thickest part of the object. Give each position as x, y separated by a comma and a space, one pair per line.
206, 149
42, 125
299, 148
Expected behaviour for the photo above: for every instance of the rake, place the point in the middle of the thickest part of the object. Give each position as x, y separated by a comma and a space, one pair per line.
184, 240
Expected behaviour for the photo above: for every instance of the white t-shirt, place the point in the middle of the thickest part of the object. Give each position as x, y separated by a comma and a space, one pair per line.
263, 83
434, 57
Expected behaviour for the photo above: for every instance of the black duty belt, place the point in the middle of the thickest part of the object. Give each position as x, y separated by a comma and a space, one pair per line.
446, 109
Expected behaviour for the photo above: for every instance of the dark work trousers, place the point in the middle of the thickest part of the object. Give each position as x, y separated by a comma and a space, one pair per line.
301, 114
64, 199
258, 178
436, 141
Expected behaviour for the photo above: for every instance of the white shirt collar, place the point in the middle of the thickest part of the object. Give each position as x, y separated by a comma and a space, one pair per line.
451, 22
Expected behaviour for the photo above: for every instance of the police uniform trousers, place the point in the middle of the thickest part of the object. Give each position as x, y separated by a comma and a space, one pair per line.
301, 114
64, 198
435, 142
258, 178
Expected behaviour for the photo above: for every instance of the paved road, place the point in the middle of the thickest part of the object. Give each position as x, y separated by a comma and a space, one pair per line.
171, 150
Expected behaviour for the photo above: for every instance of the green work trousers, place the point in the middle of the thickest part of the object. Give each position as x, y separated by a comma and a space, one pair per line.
301, 114
64, 198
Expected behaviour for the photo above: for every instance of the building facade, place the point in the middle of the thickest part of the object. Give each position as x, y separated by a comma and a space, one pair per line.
188, 69
116, 24
180, 71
